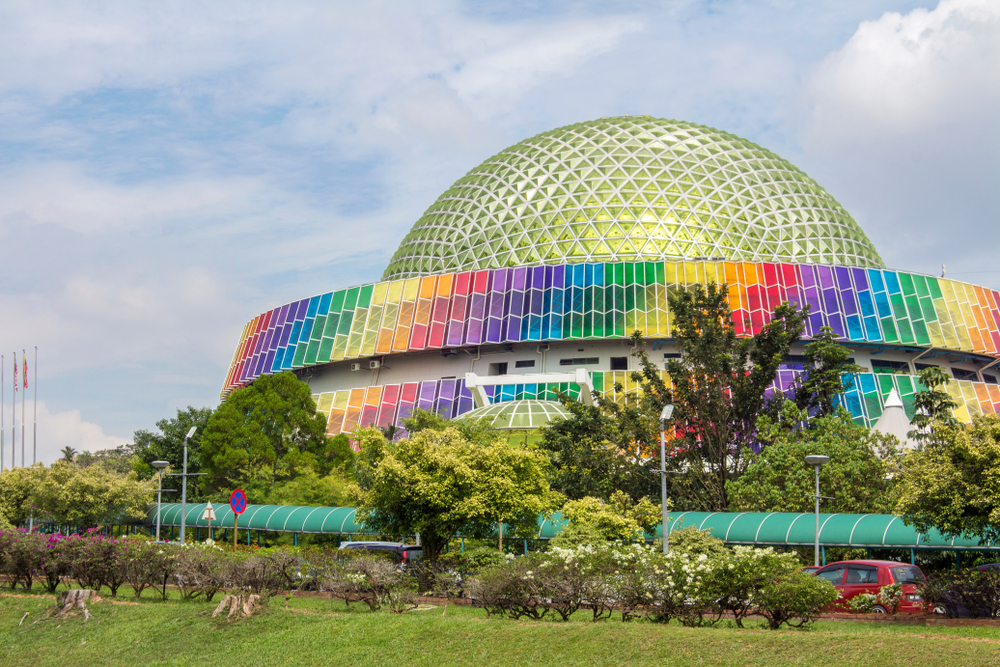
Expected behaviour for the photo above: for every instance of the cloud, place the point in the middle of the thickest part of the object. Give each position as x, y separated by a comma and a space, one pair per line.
902, 129
55, 431
903, 74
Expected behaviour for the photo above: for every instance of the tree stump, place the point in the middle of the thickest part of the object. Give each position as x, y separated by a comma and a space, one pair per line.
75, 599
240, 606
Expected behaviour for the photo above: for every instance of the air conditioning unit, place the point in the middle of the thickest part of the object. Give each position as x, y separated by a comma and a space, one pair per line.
374, 364
356, 366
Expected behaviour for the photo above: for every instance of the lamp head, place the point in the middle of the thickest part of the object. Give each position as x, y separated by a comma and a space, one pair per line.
667, 411
191, 432
817, 460
160, 465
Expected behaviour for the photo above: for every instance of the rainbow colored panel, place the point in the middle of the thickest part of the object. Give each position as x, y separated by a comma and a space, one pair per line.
609, 300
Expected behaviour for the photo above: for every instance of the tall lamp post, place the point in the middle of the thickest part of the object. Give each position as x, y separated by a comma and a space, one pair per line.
159, 465
817, 460
664, 418
184, 482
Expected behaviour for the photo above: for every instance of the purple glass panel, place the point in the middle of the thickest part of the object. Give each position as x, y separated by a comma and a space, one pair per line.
493, 331
428, 389
847, 295
465, 402
860, 279
520, 275
446, 399
477, 311
825, 276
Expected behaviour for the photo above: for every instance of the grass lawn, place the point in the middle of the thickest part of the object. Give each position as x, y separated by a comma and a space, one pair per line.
315, 632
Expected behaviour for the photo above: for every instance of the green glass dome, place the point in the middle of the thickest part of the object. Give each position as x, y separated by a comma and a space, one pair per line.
631, 188
527, 414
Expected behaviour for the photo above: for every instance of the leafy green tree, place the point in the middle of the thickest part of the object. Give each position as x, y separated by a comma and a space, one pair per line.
718, 391
68, 454
267, 432
167, 443
779, 480
119, 460
439, 484
90, 496
594, 454
933, 404
823, 378
591, 519
695, 542
16, 485
953, 483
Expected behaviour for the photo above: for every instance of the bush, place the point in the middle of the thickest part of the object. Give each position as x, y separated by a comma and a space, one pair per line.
201, 570
741, 573
371, 579
974, 593
795, 599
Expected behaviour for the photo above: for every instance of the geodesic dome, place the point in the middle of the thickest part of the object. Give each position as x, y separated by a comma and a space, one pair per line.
631, 189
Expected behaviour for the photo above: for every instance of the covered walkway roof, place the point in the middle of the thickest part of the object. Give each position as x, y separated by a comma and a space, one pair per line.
873, 531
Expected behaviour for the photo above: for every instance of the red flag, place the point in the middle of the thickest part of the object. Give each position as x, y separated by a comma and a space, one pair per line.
25, 360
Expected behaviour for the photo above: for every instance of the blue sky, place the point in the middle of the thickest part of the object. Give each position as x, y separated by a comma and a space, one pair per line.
169, 170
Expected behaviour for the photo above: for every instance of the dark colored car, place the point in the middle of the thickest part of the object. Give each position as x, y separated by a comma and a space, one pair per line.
854, 577
401, 553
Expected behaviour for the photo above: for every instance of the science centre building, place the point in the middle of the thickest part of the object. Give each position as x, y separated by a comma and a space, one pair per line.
529, 274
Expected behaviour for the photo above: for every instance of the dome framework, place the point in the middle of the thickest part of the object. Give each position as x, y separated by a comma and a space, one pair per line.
631, 189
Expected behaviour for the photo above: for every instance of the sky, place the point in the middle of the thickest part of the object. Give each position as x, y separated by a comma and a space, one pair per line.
169, 170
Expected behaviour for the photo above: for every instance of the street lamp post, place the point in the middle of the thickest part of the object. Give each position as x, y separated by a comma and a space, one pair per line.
184, 482
817, 460
664, 417
159, 465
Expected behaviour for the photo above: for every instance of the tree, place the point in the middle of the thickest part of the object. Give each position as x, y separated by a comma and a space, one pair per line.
16, 485
92, 496
119, 460
621, 519
932, 405
953, 483
439, 484
822, 380
719, 386
779, 480
269, 431
594, 454
68, 454
167, 443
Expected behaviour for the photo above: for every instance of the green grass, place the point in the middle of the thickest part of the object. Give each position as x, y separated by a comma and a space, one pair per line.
315, 632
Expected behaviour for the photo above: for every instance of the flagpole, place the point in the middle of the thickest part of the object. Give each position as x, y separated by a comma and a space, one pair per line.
13, 419
2, 433
34, 416
23, 380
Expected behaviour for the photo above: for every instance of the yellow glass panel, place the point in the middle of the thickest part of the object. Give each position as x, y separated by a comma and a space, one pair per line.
955, 391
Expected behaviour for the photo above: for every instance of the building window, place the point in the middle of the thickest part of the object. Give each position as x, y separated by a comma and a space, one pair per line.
525, 363
895, 367
921, 367
962, 374
579, 361
498, 369
671, 355
619, 363
991, 379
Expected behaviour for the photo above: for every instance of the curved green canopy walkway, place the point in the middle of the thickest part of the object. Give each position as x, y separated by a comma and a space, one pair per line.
779, 529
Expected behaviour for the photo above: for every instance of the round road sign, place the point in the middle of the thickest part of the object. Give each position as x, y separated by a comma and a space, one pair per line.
238, 501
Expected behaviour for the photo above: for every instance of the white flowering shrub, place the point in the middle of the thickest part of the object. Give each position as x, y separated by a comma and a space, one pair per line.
742, 572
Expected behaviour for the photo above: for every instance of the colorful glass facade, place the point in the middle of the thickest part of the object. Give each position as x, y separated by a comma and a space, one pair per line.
606, 301
632, 188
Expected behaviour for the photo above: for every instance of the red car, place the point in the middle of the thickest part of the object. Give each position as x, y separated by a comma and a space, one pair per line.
853, 577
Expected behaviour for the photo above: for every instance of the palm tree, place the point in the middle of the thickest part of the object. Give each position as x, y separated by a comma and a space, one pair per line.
68, 454
390, 431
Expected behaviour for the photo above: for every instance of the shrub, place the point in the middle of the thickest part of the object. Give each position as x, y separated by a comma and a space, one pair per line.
510, 590
371, 579
862, 603
147, 565
22, 557
974, 593
690, 590
741, 573
795, 599
890, 597
201, 570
